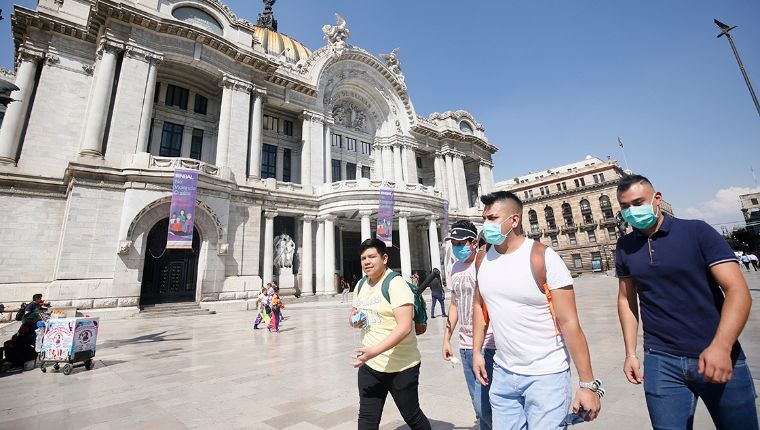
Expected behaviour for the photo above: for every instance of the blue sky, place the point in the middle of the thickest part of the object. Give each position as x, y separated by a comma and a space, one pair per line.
553, 81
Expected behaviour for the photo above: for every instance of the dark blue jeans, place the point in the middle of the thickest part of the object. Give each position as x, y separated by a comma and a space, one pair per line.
672, 385
439, 299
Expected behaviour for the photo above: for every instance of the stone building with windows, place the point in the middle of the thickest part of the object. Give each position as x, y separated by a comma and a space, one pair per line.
117, 94
574, 209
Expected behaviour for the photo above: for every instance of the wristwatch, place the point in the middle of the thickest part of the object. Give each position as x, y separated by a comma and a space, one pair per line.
593, 385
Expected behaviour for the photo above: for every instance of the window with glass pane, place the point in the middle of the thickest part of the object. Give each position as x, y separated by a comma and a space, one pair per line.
286, 156
567, 214
201, 104
171, 140
591, 236
573, 240
366, 148
588, 217
606, 206
287, 128
601, 177
365, 172
156, 91
337, 141
196, 145
555, 240
533, 219
177, 96
350, 144
577, 261
268, 161
612, 232
419, 162
549, 215
336, 171
350, 171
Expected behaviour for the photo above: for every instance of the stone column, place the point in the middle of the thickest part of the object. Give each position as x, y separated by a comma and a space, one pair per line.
403, 235
327, 148
223, 138
398, 174
440, 175
484, 183
435, 250
306, 152
387, 164
451, 185
15, 115
377, 156
257, 129
366, 226
491, 184
268, 246
405, 165
307, 257
320, 253
461, 180
97, 112
330, 254
147, 107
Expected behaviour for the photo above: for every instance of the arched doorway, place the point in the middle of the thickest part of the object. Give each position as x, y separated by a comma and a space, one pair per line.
169, 275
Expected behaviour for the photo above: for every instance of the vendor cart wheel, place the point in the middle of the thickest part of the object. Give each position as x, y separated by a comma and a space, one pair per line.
67, 369
56, 367
88, 365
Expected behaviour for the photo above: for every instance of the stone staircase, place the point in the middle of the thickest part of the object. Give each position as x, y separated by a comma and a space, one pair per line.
182, 309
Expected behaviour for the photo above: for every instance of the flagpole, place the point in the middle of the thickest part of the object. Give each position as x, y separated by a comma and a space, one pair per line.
622, 148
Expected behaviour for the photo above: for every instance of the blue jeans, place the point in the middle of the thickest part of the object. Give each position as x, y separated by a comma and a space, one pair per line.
479, 393
533, 402
672, 385
440, 299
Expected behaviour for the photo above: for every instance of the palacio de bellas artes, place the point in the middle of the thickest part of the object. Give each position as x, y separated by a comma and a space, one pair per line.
290, 149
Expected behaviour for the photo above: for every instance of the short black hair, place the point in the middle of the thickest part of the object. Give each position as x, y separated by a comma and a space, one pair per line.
628, 180
36, 297
378, 244
500, 196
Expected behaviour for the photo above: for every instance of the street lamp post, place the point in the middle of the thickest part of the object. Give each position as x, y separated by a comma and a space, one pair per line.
724, 31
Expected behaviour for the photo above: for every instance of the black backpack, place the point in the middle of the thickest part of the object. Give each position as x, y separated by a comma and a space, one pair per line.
20, 312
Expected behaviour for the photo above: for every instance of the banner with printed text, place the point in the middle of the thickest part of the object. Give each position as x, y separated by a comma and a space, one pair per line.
182, 212
445, 225
384, 229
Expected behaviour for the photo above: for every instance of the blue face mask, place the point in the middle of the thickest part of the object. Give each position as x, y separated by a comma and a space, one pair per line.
492, 232
641, 217
462, 252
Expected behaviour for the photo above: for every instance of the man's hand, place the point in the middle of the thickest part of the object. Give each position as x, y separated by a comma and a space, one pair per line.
447, 351
715, 364
590, 402
479, 367
632, 370
357, 324
362, 355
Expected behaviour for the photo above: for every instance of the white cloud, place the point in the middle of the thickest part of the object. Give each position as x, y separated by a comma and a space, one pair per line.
723, 208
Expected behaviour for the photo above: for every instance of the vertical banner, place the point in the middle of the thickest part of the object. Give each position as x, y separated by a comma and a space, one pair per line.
182, 212
384, 229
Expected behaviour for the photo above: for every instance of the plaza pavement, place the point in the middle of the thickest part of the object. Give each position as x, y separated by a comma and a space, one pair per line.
215, 372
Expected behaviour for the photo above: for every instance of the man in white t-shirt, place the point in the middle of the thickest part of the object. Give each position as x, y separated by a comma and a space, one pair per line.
533, 331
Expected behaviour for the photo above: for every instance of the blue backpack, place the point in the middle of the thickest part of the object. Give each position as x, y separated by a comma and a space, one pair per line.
420, 309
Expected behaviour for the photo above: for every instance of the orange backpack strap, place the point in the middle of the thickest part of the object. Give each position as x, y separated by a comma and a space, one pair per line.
482, 251
538, 268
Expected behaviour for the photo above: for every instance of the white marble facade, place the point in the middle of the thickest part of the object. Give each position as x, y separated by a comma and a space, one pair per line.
116, 95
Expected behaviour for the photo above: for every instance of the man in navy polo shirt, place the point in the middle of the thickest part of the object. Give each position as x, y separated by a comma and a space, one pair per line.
694, 304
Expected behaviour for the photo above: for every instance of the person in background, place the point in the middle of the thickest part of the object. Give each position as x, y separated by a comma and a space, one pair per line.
433, 281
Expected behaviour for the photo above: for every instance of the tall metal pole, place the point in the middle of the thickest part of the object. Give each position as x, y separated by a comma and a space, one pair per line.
725, 31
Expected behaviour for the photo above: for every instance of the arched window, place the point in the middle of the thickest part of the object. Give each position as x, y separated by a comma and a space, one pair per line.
198, 18
567, 214
588, 217
533, 219
465, 127
549, 215
604, 203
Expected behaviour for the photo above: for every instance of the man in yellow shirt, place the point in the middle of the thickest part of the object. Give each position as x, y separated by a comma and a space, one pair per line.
388, 360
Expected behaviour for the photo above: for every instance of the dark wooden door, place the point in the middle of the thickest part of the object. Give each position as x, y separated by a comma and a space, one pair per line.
169, 275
